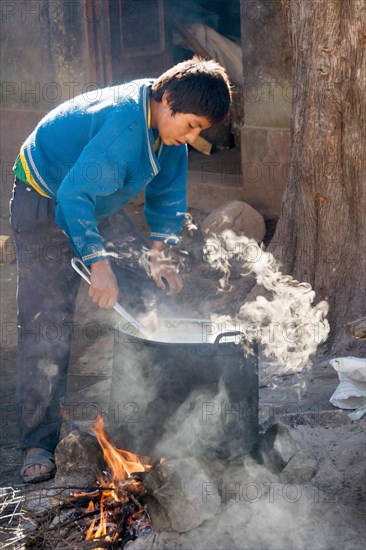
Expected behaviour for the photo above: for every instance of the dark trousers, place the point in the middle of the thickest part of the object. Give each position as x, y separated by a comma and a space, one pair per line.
46, 297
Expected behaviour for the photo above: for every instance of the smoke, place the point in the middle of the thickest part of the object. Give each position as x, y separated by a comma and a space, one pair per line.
260, 513
193, 430
280, 517
283, 319
257, 512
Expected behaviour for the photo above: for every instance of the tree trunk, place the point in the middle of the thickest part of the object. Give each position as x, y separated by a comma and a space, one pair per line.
321, 235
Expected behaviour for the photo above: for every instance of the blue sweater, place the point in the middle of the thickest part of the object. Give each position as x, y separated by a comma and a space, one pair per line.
92, 157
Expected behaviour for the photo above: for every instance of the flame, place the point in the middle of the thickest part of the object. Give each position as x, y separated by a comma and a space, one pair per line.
90, 531
102, 527
120, 464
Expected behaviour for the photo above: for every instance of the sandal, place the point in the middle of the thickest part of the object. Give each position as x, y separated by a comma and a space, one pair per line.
42, 458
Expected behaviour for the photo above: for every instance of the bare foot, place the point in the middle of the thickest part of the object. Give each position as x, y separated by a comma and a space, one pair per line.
36, 469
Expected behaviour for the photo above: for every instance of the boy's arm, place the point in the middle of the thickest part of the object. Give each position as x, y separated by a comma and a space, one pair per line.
91, 176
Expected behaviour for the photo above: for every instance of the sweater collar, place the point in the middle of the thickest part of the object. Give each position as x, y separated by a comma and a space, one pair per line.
152, 156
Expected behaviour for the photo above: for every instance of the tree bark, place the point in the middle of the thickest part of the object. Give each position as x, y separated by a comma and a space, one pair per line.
321, 235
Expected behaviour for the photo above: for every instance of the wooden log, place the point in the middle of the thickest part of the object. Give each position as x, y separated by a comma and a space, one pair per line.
194, 44
202, 145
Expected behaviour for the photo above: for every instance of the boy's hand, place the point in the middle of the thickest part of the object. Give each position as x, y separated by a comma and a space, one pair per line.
160, 272
161, 268
103, 288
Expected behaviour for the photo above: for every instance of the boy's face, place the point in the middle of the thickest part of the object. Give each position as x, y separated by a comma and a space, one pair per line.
180, 128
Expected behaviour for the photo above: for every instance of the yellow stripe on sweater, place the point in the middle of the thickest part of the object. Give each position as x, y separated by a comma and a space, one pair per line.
30, 178
157, 141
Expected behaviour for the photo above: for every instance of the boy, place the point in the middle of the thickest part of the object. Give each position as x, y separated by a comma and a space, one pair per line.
84, 161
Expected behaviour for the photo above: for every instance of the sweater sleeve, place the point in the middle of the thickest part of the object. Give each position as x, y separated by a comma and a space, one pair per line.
91, 176
165, 198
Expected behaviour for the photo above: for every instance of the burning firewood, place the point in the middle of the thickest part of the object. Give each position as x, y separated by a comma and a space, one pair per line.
104, 516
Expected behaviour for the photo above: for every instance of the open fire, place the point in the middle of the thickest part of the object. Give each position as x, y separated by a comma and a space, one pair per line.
118, 514
108, 515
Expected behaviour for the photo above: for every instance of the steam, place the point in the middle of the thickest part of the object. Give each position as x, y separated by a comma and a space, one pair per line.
162, 257
287, 325
152, 260
283, 319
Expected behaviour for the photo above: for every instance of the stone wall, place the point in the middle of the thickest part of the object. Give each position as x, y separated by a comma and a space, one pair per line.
44, 60
44, 52
267, 96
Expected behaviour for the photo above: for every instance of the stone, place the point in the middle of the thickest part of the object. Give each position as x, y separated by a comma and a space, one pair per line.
278, 447
357, 328
301, 468
238, 216
156, 541
329, 478
246, 482
182, 502
79, 460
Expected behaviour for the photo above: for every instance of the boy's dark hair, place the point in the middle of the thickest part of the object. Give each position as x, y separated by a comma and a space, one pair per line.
196, 86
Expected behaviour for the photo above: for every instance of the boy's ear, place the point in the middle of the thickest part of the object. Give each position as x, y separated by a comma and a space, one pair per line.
164, 101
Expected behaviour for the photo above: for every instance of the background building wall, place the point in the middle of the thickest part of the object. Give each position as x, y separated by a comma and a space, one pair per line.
54, 50
267, 96
44, 61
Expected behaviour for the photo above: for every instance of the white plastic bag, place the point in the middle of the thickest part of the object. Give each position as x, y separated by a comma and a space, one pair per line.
351, 392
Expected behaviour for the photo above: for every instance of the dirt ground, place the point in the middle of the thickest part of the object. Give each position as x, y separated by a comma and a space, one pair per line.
301, 401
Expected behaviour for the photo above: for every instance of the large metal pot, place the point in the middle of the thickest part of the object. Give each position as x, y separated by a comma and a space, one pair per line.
184, 399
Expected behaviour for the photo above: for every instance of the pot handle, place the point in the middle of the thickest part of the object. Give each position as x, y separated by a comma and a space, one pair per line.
78, 265
224, 334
